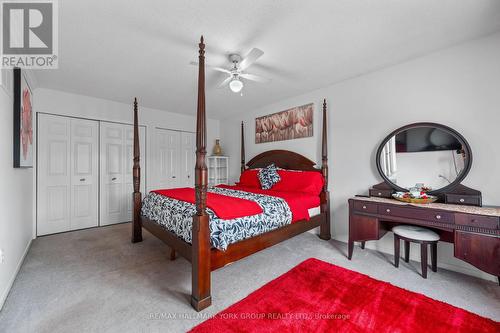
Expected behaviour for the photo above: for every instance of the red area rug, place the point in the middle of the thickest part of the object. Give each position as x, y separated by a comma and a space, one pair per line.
316, 296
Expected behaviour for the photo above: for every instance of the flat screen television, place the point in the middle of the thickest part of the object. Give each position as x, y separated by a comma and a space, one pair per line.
422, 139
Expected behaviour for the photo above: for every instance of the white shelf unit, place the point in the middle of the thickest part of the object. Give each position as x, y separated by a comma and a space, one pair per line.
218, 170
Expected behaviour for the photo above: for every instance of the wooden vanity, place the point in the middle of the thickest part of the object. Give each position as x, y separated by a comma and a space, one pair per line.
474, 231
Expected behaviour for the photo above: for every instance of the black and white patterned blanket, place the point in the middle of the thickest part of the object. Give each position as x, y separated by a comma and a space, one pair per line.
177, 216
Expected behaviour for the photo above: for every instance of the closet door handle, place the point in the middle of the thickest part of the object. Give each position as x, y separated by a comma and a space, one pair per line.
114, 178
174, 177
189, 176
82, 179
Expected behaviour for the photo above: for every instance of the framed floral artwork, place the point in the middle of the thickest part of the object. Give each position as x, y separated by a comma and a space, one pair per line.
23, 121
294, 123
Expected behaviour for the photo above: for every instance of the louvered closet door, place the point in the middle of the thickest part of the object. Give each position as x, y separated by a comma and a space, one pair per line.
116, 171
188, 154
168, 158
84, 162
53, 174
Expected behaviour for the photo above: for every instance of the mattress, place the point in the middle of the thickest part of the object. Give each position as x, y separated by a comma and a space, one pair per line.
176, 215
314, 211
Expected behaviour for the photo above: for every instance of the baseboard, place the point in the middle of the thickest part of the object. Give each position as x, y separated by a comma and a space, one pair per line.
11, 282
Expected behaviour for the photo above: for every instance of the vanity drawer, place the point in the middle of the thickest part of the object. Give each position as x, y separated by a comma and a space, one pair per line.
457, 199
479, 221
365, 207
418, 214
380, 193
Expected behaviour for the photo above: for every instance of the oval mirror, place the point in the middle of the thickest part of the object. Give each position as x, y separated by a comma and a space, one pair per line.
424, 155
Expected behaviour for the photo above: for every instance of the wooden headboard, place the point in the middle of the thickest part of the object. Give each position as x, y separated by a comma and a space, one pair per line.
282, 159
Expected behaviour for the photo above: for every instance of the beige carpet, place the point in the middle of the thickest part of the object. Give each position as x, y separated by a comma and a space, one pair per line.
96, 280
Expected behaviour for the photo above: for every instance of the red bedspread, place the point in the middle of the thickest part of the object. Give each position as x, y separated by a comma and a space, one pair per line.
299, 203
225, 207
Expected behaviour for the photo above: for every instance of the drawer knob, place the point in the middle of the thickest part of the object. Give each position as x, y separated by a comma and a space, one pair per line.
364, 207
379, 193
462, 200
438, 217
388, 210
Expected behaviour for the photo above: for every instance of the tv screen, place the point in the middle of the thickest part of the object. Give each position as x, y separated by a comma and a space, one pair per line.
421, 139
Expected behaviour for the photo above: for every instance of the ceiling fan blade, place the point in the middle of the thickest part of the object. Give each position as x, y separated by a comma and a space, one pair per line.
223, 70
225, 82
253, 77
251, 57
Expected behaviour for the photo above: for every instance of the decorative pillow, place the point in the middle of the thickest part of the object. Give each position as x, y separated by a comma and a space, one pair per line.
249, 178
310, 182
268, 176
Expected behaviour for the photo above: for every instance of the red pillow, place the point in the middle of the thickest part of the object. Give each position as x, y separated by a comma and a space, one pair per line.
249, 178
310, 182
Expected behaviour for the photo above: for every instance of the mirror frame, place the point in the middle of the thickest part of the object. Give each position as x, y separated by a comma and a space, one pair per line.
447, 188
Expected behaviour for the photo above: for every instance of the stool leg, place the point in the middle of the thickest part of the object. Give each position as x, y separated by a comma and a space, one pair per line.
434, 256
423, 259
363, 245
407, 251
396, 251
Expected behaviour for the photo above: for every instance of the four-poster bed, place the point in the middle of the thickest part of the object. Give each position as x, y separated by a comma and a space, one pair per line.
203, 256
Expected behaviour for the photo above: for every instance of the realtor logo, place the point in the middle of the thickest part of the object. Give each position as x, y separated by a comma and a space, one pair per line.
29, 34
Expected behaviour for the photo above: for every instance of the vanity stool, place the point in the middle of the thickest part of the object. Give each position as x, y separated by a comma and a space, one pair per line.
415, 234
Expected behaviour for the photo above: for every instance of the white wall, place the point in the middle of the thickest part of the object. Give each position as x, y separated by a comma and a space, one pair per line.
426, 167
60, 103
458, 87
16, 202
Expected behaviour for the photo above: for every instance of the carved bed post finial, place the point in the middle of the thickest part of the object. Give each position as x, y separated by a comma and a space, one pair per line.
200, 261
325, 195
201, 137
324, 148
136, 167
242, 147
136, 178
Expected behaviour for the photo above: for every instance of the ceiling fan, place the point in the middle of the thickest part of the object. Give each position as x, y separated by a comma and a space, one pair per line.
237, 71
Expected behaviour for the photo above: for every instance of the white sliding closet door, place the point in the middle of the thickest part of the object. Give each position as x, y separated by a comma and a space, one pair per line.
116, 171
67, 176
168, 147
188, 157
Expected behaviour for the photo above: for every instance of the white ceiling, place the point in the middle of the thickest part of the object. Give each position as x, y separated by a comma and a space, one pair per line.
118, 49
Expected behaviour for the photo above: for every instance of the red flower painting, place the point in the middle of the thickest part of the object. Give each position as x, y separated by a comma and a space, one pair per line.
290, 124
26, 123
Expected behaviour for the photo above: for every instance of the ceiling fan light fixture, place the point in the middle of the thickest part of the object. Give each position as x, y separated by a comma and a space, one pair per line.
236, 85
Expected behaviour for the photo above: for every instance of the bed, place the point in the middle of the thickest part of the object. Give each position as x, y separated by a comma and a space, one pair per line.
213, 227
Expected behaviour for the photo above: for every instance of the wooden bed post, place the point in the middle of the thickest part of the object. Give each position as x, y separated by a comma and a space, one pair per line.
242, 148
136, 174
200, 293
325, 195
